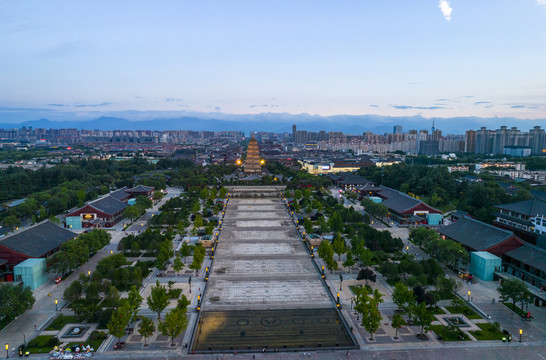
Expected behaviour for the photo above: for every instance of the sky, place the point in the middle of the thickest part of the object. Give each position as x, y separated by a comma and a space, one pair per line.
432, 58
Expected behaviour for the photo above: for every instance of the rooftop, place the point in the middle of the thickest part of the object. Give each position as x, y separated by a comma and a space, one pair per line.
38, 239
531, 207
530, 255
475, 234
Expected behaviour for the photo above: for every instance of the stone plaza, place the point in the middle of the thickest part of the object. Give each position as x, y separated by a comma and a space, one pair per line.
264, 291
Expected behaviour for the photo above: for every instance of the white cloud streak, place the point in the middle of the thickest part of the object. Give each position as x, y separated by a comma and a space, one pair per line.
446, 8
541, 2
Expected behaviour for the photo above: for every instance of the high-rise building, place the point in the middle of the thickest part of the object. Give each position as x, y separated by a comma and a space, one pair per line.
294, 133
397, 129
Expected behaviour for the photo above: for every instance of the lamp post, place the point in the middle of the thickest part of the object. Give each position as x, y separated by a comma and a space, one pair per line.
520, 332
25, 339
468, 295
7, 348
189, 282
56, 305
340, 281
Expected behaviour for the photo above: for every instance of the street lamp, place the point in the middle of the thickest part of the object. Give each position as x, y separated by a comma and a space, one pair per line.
25, 339
340, 281
520, 332
111, 252
56, 305
88, 272
189, 282
7, 348
468, 295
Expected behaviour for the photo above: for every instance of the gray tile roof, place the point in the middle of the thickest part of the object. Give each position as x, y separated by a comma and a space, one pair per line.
38, 239
475, 234
120, 193
108, 205
530, 255
531, 207
141, 188
401, 202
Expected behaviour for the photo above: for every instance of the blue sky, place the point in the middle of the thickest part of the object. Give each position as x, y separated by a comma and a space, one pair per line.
453, 58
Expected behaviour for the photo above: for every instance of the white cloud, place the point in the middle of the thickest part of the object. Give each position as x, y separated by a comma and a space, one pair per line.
445, 6
541, 2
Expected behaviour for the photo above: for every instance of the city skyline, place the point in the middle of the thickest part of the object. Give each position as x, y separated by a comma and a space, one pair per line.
443, 59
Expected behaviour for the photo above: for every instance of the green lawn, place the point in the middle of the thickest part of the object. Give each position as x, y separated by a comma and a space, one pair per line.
487, 332
3, 323
356, 288
61, 321
516, 309
95, 344
465, 310
437, 311
42, 344
447, 335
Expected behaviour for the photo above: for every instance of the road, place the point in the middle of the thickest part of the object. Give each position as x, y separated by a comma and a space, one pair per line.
29, 324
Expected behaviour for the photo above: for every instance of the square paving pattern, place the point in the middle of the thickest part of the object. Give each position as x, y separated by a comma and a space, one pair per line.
264, 289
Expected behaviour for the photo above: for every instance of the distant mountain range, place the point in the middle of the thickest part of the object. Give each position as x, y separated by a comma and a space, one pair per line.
273, 122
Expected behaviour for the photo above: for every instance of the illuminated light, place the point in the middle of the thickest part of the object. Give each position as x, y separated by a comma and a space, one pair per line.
88, 272
238, 162
56, 301
520, 331
262, 161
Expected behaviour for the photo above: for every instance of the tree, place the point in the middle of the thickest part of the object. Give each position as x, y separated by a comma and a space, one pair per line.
368, 307
14, 300
308, 225
422, 317
119, 321
134, 299
185, 250
146, 328
326, 253
367, 274
198, 222
158, 299
11, 222
339, 246
513, 289
73, 292
131, 212
350, 261
175, 322
183, 303
365, 256
178, 264
403, 297
204, 193
397, 322
336, 222
143, 202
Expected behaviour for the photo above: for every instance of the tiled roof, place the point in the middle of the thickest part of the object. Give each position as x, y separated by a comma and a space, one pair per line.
141, 188
108, 205
531, 207
120, 193
38, 239
475, 234
530, 255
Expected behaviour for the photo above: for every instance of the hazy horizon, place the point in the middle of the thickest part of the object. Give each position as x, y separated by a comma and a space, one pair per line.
442, 59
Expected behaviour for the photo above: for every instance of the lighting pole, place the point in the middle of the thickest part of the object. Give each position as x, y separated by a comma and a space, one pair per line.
520, 332
25, 339
56, 305
468, 295
340, 281
7, 348
189, 282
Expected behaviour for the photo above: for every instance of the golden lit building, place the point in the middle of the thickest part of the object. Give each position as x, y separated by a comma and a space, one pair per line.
253, 162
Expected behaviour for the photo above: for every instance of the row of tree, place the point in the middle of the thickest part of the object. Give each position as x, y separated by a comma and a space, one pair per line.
77, 251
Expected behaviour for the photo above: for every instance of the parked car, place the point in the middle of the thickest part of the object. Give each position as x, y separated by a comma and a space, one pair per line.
58, 279
119, 345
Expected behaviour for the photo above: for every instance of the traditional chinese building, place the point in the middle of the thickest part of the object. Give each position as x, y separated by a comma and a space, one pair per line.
253, 162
